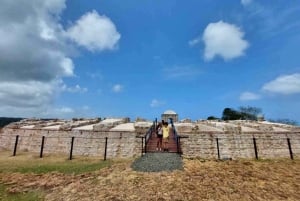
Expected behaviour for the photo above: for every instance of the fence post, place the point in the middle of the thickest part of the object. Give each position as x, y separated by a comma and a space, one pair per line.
42, 147
16, 144
177, 143
71, 151
218, 148
290, 148
105, 148
255, 148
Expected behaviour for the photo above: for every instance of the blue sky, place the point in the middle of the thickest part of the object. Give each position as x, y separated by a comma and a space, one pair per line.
76, 58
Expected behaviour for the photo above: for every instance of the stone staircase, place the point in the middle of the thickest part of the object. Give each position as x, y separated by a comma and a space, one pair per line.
152, 143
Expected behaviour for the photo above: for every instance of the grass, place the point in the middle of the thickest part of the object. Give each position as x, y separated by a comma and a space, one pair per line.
263, 179
26, 163
21, 196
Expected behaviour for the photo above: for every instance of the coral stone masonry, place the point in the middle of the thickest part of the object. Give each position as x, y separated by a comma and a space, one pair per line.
203, 139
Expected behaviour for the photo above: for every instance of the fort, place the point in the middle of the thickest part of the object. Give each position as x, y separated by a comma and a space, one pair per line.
121, 138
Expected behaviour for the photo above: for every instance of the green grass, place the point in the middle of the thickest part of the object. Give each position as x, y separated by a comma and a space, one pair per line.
25, 196
30, 164
65, 167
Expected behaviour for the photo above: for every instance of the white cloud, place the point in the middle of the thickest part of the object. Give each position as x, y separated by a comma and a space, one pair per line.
156, 103
34, 56
180, 72
247, 96
195, 41
75, 89
94, 32
246, 2
29, 94
224, 40
35, 53
117, 88
285, 84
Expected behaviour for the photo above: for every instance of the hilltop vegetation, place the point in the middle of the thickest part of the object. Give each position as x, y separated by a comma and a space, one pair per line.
7, 120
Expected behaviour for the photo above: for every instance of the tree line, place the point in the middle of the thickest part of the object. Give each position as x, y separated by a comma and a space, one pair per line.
7, 120
247, 113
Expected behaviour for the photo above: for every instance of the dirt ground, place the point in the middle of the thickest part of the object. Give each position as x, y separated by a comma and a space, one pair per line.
200, 180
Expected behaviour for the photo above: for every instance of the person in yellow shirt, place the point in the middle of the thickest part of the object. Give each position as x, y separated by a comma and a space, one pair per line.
166, 132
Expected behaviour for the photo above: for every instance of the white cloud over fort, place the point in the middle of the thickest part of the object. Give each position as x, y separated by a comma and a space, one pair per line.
117, 88
224, 40
94, 32
36, 51
249, 96
157, 103
284, 84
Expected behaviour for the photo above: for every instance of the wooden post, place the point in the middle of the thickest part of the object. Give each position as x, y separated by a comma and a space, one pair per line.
42, 147
16, 145
219, 157
255, 148
290, 148
71, 151
143, 145
105, 148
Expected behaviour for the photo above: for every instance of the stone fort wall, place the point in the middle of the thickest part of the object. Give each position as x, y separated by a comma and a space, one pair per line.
87, 143
235, 140
234, 146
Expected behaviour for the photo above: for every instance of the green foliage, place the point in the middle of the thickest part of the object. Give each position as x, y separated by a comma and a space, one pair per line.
244, 113
45, 165
231, 114
67, 168
212, 118
7, 120
250, 113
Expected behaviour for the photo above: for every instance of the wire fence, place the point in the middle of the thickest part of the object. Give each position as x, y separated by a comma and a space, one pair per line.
241, 146
201, 145
66, 144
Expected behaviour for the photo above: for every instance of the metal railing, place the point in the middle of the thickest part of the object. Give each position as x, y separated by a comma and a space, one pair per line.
146, 138
176, 137
149, 134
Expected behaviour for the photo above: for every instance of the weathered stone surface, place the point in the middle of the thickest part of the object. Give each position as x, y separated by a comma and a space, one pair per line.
142, 127
186, 121
107, 124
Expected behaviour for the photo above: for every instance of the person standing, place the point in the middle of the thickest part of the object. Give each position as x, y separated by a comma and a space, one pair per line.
159, 134
166, 133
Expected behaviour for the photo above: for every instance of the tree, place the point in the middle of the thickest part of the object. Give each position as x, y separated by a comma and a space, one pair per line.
231, 114
250, 113
244, 113
212, 118
7, 120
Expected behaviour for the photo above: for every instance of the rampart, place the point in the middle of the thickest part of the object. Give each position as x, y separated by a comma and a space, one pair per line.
202, 139
89, 137
237, 139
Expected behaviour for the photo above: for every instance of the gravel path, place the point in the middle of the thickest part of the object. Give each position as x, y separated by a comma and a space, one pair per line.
156, 162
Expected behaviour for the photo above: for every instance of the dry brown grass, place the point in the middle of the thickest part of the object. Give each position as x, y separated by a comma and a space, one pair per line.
209, 180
